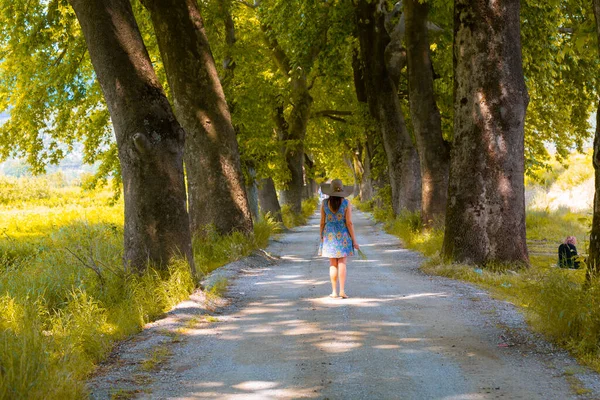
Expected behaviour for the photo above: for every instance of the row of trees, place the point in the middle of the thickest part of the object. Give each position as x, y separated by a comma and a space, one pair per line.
428, 97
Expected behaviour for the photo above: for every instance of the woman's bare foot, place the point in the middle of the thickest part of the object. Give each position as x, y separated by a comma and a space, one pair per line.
343, 295
333, 295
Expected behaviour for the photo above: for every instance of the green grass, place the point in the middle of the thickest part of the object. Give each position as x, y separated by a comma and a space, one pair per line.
291, 219
58, 318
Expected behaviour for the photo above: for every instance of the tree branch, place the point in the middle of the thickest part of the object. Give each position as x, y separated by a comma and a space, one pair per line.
92, 265
331, 114
564, 29
281, 58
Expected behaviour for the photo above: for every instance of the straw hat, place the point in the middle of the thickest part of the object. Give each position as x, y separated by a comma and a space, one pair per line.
336, 189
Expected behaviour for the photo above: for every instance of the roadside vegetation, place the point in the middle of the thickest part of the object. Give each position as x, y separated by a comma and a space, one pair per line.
65, 298
291, 220
557, 302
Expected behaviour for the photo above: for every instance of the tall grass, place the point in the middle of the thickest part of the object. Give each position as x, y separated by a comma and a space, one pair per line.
291, 219
58, 316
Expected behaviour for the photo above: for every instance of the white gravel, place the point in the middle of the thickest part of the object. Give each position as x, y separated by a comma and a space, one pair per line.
401, 335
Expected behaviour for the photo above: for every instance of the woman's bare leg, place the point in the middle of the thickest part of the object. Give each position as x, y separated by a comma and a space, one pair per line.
342, 274
333, 275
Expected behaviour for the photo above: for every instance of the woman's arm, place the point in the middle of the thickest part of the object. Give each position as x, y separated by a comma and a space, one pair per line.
322, 221
350, 225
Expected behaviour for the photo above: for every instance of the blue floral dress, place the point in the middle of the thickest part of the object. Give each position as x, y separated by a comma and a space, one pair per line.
337, 242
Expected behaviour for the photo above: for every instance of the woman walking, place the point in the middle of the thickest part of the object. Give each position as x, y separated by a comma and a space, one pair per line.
337, 233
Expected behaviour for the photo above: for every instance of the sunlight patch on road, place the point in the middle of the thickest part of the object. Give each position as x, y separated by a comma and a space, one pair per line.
386, 346
256, 385
294, 259
210, 384
411, 340
338, 347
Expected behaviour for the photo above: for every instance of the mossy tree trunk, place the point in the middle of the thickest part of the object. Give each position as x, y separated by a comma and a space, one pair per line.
217, 194
485, 220
149, 138
384, 106
434, 151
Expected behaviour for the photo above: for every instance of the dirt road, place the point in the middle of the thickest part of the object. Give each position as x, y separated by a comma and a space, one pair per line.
400, 335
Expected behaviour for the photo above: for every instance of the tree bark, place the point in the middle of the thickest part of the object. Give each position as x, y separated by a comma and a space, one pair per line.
149, 138
366, 181
384, 106
434, 151
252, 190
365, 151
292, 134
291, 137
594, 254
267, 198
485, 221
216, 189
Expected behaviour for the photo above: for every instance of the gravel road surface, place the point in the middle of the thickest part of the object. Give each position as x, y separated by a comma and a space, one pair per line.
400, 335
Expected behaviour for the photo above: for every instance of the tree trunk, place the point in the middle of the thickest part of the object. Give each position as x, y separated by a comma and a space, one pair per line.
310, 187
365, 152
434, 151
252, 191
291, 137
215, 183
267, 198
294, 145
485, 222
149, 138
384, 106
292, 134
366, 181
594, 255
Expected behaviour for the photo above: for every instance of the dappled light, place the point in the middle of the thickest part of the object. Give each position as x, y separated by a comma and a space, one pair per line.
289, 339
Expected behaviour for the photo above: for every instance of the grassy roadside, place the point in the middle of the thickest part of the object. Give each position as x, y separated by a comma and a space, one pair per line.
290, 220
64, 296
555, 301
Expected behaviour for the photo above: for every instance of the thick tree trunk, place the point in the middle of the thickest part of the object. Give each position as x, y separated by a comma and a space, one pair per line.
149, 138
291, 137
594, 256
384, 105
402, 157
365, 152
294, 145
215, 184
485, 221
434, 152
292, 134
267, 198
